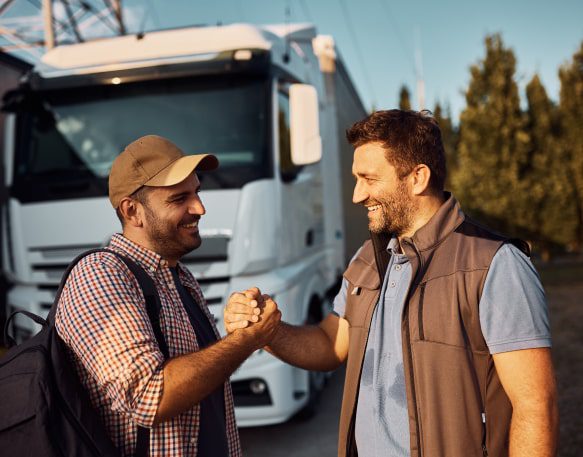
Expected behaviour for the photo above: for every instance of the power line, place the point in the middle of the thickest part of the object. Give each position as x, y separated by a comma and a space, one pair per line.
394, 24
5, 6
72, 20
358, 50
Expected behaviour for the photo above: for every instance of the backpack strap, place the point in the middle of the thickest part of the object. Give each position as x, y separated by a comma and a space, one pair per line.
51, 316
10, 342
153, 304
153, 308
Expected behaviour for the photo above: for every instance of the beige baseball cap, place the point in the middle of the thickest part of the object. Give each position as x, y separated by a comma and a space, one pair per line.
153, 161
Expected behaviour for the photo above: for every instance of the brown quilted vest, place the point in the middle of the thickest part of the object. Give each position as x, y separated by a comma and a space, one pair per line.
457, 406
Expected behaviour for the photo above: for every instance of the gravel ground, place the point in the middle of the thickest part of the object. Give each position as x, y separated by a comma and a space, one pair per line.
566, 307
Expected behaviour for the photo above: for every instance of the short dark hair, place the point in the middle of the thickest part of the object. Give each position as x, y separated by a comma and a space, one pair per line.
410, 137
140, 195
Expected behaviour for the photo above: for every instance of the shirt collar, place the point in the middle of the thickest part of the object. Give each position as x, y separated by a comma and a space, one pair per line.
146, 258
186, 277
393, 247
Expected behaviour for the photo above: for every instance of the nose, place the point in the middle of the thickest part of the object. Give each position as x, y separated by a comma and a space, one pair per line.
196, 206
359, 195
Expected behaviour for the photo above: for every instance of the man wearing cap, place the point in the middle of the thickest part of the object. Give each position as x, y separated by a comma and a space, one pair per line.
186, 401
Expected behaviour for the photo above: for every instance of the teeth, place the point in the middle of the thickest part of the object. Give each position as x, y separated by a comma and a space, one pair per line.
373, 208
191, 225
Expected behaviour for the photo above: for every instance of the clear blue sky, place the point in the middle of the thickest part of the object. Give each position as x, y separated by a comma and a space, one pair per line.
379, 39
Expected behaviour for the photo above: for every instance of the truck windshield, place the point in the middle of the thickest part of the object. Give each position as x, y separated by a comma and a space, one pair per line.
68, 139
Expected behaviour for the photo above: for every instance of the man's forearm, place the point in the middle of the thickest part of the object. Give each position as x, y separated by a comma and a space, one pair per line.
534, 432
305, 346
190, 378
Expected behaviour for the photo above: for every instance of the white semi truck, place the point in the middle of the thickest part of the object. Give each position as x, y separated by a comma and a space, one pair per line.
271, 102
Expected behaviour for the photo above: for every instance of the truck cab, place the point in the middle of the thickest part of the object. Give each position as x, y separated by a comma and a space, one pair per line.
262, 101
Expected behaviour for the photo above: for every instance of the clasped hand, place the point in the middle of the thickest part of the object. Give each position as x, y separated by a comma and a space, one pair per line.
254, 314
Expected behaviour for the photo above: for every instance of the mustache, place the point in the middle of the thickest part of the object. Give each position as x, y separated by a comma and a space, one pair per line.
371, 203
190, 220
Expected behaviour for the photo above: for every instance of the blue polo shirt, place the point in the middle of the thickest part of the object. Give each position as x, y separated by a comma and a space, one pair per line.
382, 420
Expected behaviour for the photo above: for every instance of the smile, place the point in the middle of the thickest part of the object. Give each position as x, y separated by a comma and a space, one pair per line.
373, 208
191, 225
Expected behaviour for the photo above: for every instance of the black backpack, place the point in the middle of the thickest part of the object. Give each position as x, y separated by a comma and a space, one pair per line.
44, 409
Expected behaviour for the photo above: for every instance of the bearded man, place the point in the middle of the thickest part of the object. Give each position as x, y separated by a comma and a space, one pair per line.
443, 323
185, 401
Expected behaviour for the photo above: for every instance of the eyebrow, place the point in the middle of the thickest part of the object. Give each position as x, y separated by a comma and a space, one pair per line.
181, 194
363, 175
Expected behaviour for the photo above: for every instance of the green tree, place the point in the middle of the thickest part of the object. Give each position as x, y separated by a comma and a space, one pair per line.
551, 211
571, 113
492, 152
450, 137
404, 98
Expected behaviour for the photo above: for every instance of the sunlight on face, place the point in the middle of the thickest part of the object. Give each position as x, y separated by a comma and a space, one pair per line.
171, 218
388, 199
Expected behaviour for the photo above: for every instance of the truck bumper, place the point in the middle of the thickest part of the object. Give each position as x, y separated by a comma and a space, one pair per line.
280, 398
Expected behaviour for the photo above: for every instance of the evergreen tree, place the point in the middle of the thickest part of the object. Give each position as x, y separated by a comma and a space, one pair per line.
571, 112
551, 212
404, 98
492, 152
449, 135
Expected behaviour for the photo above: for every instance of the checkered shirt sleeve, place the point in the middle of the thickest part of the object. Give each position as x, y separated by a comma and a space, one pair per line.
102, 319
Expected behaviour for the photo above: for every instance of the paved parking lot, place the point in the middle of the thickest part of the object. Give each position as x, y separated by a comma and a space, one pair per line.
316, 437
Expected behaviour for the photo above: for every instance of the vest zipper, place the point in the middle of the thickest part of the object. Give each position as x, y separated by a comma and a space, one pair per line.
421, 297
412, 375
484, 448
410, 349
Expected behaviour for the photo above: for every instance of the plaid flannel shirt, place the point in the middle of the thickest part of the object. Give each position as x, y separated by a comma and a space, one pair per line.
102, 318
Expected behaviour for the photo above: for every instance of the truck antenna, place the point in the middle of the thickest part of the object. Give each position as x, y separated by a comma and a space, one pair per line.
287, 29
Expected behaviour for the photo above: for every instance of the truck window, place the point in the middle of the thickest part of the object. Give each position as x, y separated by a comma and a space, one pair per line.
67, 142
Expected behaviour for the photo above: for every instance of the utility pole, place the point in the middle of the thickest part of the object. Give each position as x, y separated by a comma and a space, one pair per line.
47, 10
419, 71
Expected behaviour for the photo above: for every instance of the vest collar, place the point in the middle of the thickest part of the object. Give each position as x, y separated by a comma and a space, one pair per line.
448, 217
446, 220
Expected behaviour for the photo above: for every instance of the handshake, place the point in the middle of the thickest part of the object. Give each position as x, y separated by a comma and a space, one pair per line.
252, 316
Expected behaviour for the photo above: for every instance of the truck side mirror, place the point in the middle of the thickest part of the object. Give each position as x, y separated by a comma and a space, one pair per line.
306, 143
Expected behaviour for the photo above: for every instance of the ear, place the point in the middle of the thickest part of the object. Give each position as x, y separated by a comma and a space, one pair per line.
131, 210
420, 177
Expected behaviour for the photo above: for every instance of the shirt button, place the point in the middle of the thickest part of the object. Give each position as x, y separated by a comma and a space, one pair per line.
393, 283
398, 267
193, 441
152, 269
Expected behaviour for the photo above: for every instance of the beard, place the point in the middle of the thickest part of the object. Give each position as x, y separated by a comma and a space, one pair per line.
169, 240
396, 214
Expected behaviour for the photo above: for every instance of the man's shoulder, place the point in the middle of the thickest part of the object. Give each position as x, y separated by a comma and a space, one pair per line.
97, 264
482, 236
362, 268
364, 253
